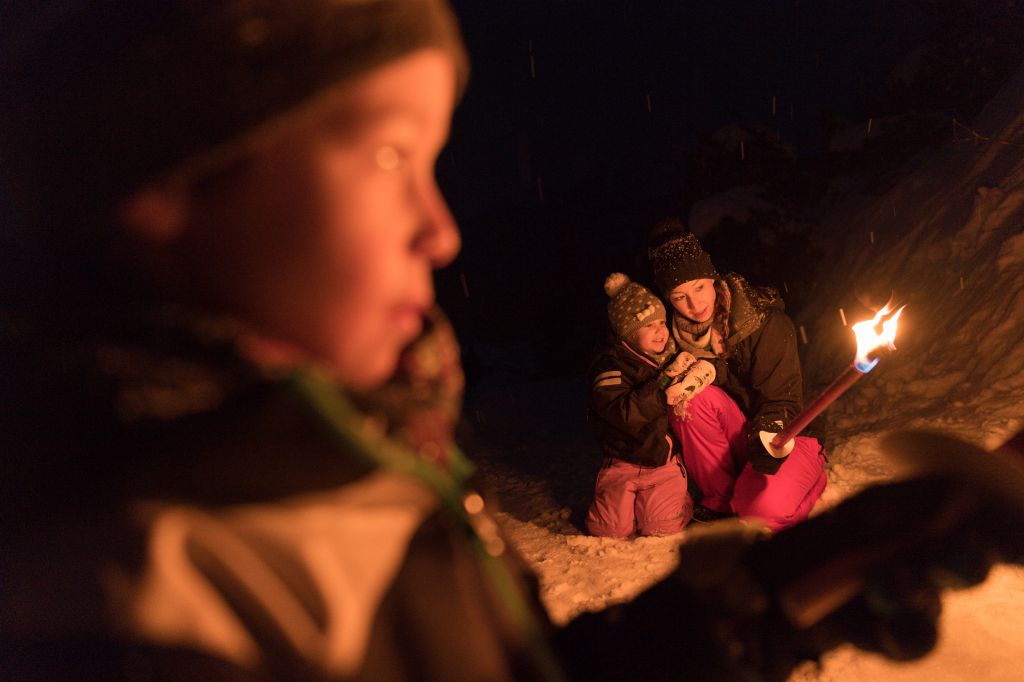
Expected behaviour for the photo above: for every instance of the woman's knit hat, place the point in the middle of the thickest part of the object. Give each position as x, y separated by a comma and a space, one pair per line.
632, 305
681, 259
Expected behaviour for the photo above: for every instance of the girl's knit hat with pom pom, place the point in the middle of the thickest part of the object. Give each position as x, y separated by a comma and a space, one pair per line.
632, 305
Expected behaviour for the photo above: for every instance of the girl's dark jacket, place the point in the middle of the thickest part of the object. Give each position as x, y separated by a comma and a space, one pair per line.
628, 412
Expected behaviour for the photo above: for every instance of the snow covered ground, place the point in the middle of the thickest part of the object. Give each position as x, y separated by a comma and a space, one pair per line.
948, 239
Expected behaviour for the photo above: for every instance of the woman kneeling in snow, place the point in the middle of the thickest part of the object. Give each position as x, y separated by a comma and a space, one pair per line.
642, 485
744, 333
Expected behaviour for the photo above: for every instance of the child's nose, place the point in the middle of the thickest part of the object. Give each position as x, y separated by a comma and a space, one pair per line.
439, 238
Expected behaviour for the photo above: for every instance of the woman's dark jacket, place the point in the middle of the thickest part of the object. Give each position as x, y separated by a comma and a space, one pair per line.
761, 369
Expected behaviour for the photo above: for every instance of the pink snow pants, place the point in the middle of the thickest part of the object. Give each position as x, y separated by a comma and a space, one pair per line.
714, 441
646, 500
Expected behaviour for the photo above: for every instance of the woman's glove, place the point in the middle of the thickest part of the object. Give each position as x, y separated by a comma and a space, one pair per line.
759, 457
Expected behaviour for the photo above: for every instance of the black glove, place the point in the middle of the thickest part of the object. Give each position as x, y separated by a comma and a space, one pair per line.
760, 458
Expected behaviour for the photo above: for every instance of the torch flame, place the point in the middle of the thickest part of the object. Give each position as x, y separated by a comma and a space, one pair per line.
873, 334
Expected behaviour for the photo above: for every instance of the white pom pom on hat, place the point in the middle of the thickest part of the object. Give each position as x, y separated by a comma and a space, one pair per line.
614, 282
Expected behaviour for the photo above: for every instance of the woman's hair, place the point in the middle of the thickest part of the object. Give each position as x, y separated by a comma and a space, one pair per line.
720, 317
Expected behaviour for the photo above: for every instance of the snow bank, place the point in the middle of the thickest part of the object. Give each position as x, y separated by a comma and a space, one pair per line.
948, 240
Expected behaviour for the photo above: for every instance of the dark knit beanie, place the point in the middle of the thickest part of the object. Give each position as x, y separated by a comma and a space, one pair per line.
101, 97
678, 260
632, 305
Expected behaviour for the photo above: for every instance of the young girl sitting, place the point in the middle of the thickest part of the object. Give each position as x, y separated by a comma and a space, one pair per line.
641, 486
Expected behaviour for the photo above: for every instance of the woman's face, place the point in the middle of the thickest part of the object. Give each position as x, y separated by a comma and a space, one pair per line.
694, 300
327, 239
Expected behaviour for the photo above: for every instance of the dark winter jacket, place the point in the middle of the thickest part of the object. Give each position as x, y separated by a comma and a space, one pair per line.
761, 367
169, 508
628, 410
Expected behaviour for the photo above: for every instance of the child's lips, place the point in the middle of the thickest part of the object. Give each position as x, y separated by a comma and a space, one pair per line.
407, 320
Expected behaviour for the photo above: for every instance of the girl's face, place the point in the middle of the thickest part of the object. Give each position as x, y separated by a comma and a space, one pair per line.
328, 238
652, 337
694, 300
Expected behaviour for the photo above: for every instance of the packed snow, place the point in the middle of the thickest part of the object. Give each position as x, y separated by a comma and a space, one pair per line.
947, 238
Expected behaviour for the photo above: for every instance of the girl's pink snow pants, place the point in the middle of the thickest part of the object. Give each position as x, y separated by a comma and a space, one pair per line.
647, 500
713, 436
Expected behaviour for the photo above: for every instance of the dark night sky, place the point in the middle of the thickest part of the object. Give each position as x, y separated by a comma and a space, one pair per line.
556, 177
702, 64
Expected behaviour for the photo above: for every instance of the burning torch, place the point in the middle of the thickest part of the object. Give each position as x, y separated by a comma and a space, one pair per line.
872, 335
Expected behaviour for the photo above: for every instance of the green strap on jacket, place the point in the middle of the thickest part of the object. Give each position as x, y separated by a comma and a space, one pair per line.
339, 415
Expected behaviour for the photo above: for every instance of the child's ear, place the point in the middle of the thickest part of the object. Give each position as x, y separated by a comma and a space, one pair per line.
156, 214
